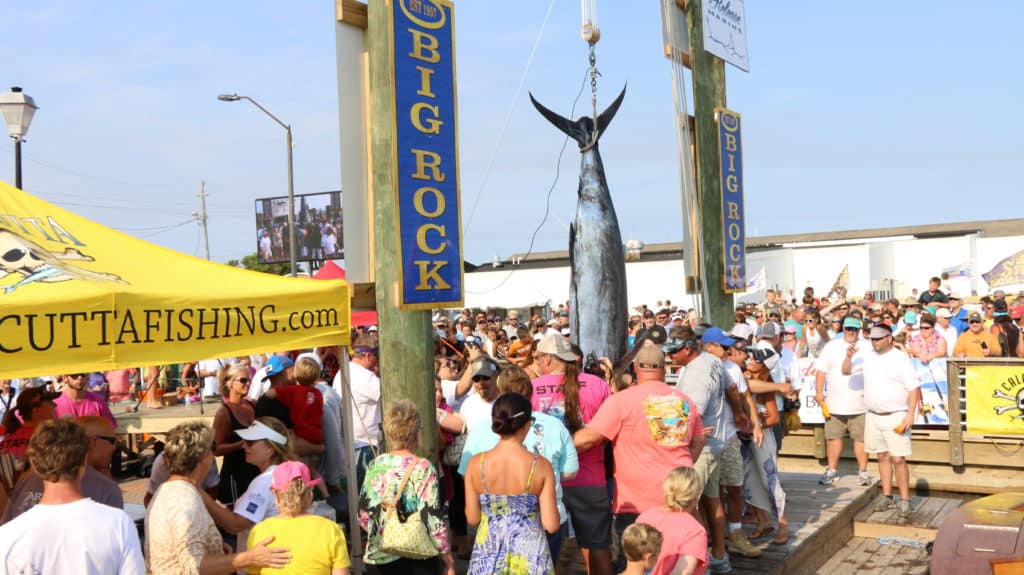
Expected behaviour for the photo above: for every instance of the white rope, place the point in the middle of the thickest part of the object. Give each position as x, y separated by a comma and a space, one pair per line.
508, 120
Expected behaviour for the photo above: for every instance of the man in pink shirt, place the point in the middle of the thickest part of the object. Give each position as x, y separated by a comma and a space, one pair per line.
77, 401
653, 428
120, 381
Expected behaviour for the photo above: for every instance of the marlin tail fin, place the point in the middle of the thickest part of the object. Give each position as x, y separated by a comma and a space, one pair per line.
580, 130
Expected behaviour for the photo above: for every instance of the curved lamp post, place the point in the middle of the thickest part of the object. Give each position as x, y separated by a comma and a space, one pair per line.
291, 180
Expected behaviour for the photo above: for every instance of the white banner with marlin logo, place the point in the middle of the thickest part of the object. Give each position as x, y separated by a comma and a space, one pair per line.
725, 31
934, 391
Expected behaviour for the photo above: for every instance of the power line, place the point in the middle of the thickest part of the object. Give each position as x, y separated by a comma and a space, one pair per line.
547, 204
95, 177
508, 119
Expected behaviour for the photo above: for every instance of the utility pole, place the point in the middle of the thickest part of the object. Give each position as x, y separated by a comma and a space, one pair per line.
708, 93
202, 218
405, 345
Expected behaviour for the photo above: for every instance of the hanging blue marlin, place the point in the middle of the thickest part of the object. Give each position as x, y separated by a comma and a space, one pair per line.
597, 288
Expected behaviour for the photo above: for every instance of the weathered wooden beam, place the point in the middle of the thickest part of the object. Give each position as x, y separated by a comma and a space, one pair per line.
708, 94
406, 349
364, 296
351, 12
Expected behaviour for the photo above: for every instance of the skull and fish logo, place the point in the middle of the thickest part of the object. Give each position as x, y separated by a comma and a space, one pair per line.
21, 256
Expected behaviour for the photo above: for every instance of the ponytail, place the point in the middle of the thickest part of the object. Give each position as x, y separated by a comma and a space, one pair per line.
571, 392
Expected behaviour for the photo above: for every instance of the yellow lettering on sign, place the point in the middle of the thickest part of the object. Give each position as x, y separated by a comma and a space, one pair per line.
433, 125
734, 253
421, 238
734, 210
439, 203
732, 183
732, 162
734, 275
428, 8
730, 143
425, 74
431, 274
424, 47
427, 159
734, 231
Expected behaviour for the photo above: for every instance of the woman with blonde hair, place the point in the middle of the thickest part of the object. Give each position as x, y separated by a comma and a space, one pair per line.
684, 539
418, 480
266, 445
235, 413
180, 534
317, 544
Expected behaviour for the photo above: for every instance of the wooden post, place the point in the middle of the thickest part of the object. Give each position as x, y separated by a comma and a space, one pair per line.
708, 93
956, 434
406, 345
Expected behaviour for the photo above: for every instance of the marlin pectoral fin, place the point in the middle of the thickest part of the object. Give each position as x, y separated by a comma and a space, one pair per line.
606, 117
570, 128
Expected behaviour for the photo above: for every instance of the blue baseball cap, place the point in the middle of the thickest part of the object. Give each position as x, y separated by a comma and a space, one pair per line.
276, 365
716, 335
852, 322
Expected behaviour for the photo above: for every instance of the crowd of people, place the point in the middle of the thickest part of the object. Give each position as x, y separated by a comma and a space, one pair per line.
651, 467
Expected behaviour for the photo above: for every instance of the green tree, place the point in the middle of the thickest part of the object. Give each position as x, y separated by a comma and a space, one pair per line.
252, 262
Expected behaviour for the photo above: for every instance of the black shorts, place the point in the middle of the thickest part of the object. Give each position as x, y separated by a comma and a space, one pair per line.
590, 512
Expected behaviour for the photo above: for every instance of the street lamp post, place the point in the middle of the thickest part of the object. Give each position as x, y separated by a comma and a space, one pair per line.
291, 179
17, 108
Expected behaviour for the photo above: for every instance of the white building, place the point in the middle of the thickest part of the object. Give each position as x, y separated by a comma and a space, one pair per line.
887, 260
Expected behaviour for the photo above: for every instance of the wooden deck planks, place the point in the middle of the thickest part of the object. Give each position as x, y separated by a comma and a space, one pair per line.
923, 524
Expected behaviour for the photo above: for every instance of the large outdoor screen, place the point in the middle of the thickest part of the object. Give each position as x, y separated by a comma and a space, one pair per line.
318, 226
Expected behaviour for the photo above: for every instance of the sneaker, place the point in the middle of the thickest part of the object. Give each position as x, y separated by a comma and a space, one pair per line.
719, 565
829, 477
885, 503
738, 543
903, 508
863, 479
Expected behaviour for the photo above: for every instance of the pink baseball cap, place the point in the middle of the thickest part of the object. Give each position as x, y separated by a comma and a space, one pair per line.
285, 472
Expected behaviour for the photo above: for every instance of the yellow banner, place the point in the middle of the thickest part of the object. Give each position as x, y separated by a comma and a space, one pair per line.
995, 400
77, 296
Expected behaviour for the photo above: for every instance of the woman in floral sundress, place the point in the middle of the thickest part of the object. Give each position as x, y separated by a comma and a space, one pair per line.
510, 493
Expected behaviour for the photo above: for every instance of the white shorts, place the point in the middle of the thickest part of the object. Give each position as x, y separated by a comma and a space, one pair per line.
879, 436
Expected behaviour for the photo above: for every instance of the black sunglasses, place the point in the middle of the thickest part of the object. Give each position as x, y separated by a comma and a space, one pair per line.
108, 438
243, 379
851, 328
479, 378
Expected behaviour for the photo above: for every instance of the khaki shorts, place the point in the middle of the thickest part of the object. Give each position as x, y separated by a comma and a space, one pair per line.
838, 426
879, 436
707, 468
730, 465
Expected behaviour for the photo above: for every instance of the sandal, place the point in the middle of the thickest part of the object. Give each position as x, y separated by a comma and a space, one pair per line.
784, 538
762, 532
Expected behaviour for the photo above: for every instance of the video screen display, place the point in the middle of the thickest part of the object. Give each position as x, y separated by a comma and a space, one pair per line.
318, 227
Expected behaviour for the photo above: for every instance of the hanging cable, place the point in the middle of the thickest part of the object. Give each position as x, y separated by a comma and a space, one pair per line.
547, 204
508, 120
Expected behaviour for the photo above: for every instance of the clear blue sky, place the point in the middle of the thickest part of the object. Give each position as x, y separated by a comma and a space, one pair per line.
855, 116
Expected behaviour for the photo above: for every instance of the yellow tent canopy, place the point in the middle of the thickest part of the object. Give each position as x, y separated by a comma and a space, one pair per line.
76, 296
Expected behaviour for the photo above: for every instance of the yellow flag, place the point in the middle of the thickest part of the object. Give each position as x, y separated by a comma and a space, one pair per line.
76, 296
995, 399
